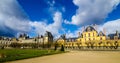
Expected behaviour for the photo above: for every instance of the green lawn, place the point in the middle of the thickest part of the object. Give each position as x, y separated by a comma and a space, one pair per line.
16, 54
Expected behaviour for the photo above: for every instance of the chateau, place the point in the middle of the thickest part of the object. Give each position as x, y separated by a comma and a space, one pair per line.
47, 38
90, 37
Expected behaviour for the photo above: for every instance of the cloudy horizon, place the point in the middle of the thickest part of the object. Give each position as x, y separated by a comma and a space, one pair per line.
57, 16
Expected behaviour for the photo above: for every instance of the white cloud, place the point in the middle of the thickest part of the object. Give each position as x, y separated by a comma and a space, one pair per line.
92, 11
12, 17
55, 27
67, 22
41, 27
51, 3
70, 34
107, 28
53, 7
112, 26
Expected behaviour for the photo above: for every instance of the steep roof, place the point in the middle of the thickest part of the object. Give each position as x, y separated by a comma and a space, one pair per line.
101, 34
112, 36
89, 28
48, 34
115, 34
71, 39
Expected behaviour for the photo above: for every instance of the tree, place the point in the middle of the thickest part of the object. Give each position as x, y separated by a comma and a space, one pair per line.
56, 46
78, 44
92, 44
111, 45
116, 45
1, 46
62, 48
87, 43
34, 45
15, 45
100, 43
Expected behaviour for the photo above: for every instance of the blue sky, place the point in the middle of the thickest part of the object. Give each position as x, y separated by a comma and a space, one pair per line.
57, 16
38, 9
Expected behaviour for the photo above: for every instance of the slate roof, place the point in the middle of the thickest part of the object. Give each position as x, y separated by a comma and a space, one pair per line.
71, 39
111, 36
101, 34
48, 34
89, 28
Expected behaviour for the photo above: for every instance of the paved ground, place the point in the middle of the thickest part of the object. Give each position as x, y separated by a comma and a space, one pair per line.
77, 57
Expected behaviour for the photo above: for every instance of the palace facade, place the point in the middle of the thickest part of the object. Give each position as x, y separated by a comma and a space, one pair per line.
46, 38
90, 37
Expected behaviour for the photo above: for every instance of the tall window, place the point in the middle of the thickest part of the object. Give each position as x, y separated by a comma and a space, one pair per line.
88, 34
89, 39
93, 34
101, 38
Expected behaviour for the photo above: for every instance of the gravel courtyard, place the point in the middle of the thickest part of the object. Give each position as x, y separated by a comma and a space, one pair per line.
76, 57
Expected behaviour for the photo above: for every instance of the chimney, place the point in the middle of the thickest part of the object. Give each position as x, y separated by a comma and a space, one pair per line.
117, 33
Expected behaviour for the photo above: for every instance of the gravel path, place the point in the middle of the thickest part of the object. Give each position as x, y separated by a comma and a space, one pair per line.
77, 57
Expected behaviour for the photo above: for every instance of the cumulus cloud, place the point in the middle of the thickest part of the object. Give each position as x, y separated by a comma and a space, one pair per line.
111, 26
54, 6
70, 34
92, 11
12, 18
41, 27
